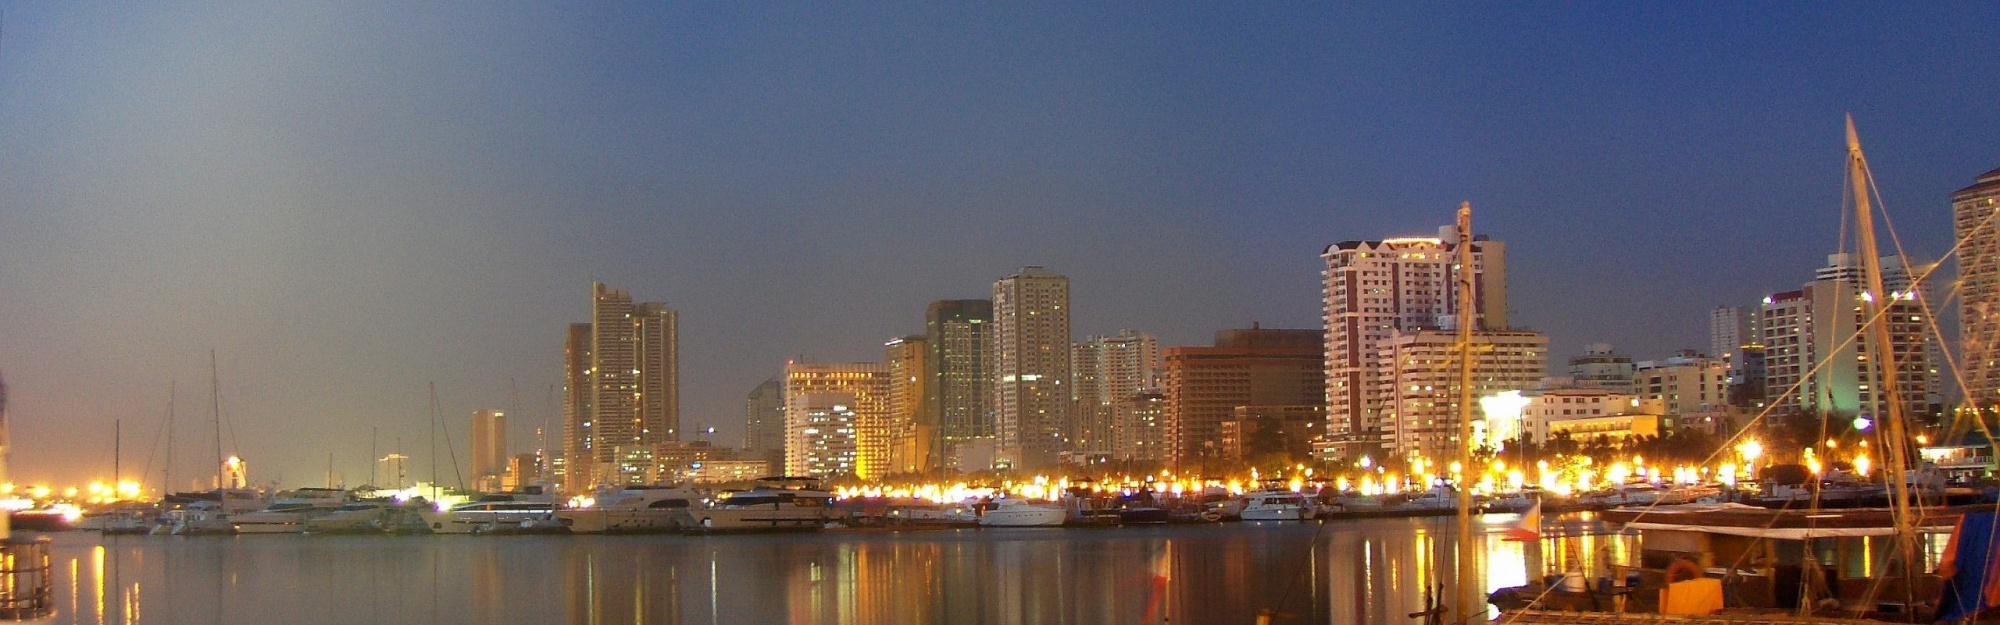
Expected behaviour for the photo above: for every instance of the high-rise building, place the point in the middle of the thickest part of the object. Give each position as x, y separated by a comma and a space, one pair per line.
1031, 341
764, 422
1374, 290
489, 449
1245, 367
835, 419
1419, 386
656, 333
958, 396
909, 448
1976, 220
1106, 372
1815, 356
627, 394
574, 467
614, 371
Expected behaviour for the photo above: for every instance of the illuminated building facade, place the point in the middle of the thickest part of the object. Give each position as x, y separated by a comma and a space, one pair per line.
622, 374
835, 419
909, 432
1418, 383
1031, 368
1374, 290
1974, 216
1688, 383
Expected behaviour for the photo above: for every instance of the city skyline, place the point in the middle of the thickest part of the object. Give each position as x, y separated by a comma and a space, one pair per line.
346, 205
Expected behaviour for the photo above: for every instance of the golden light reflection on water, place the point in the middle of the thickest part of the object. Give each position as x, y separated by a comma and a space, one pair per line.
1350, 572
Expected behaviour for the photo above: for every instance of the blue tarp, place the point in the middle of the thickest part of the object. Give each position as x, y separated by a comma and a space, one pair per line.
1968, 569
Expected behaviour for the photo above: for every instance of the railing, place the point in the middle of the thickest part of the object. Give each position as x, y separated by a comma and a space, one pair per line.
26, 588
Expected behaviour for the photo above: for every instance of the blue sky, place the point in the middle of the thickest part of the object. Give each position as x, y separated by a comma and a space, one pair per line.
350, 200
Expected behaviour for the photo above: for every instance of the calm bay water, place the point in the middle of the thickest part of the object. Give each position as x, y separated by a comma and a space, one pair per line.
1370, 571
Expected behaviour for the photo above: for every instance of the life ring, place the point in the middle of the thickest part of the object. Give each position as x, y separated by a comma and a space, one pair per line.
1683, 570
1211, 515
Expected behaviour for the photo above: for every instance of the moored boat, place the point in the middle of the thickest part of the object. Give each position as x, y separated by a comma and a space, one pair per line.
633, 510
775, 503
290, 510
1014, 512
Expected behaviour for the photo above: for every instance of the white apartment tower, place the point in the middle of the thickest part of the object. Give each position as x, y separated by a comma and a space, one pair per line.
1376, 290
1108, 371
1031, 368
1976, 219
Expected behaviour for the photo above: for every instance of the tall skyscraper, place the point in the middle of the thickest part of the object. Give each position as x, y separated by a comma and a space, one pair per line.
627, 397
489, 449
574, 467
836, 417
764, 422
1107, 371
1031, 372
909, 433
1976, 220
1375, 290
1246, 367
958, 398
656, 333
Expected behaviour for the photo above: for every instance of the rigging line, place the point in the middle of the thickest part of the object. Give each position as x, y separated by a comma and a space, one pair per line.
449, 448
1793, 389
154, 449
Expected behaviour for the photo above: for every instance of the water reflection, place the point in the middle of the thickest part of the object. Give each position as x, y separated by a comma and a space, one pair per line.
1351, 572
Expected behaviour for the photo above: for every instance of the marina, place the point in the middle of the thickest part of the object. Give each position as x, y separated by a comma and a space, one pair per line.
1369, 571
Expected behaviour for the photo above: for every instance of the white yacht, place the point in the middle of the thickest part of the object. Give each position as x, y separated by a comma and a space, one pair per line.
290, 510
1438, 498
633, 510
352, 518
531, 510
1010, 512
776, 503
201, 518
1277, 505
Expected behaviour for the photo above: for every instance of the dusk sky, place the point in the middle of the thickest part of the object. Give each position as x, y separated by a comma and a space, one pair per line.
349, 200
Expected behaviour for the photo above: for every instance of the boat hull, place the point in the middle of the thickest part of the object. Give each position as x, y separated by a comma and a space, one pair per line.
1023, 516
598, 521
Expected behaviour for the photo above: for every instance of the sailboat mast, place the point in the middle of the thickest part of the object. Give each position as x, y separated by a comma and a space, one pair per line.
1469, 599
1882, 357
215, 405
167, 474
117, 452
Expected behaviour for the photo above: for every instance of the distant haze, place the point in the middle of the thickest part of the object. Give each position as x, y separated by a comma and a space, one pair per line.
349, 200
